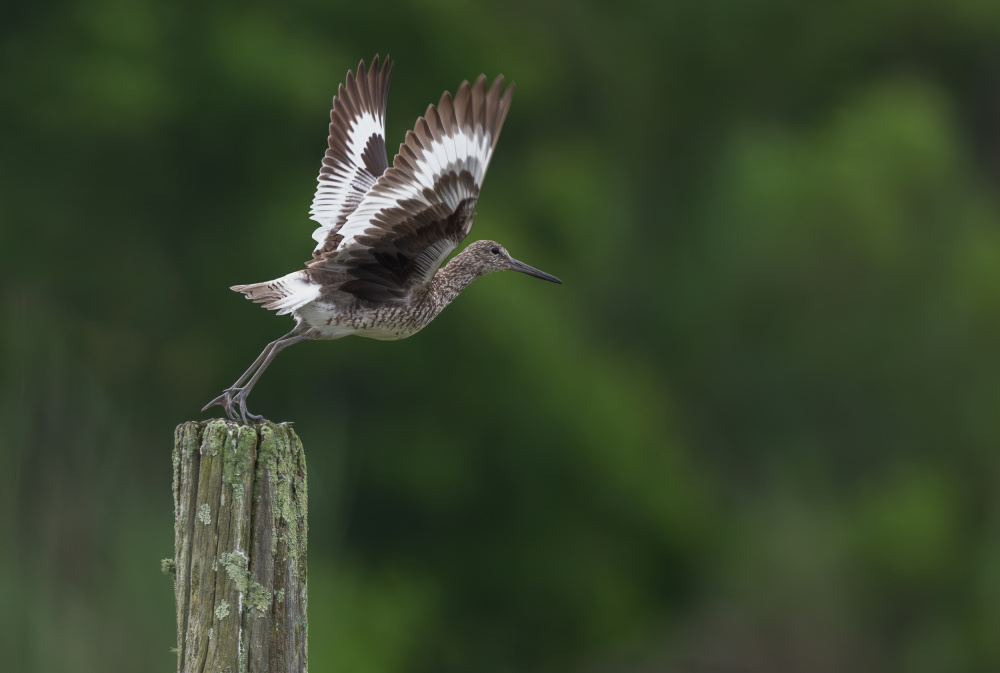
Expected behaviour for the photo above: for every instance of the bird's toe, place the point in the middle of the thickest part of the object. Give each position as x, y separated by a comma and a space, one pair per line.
248, 418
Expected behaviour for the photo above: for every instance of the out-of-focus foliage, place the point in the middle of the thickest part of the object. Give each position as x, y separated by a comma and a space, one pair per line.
756, 430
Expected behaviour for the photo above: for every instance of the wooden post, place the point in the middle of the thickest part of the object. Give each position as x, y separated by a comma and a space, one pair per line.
239, 561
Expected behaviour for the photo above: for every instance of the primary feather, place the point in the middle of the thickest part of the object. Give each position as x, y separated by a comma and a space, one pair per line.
355, 156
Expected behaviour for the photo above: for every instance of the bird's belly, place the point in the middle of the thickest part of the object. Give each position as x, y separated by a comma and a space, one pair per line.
383, 334
383, 324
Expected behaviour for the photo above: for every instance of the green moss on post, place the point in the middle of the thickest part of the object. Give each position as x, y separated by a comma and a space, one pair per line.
239, 562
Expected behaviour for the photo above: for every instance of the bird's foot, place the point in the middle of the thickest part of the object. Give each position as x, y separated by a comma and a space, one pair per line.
234, 401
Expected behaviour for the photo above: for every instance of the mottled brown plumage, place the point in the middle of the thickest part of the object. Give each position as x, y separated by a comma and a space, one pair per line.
385, 231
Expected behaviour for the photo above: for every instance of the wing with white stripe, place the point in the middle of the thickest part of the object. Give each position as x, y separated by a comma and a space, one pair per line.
422, 207
356, 154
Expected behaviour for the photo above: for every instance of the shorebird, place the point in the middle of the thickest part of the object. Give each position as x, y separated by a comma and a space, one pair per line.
385, 231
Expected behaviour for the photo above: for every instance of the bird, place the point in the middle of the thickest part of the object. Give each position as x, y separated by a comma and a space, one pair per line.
384, 231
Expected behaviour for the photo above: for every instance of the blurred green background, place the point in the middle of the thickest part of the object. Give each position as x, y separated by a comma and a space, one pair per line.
755, 431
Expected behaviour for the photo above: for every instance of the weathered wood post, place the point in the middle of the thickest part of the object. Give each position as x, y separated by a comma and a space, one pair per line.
239, 562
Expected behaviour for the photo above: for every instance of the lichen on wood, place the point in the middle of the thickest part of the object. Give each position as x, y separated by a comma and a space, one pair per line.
239, 562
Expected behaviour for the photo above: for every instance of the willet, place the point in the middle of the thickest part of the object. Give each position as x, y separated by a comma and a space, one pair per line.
384, 231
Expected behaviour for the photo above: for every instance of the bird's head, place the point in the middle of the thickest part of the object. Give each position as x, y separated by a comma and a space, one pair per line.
490, 256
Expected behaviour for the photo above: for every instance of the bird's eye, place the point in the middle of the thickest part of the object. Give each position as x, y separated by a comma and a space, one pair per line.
495, 251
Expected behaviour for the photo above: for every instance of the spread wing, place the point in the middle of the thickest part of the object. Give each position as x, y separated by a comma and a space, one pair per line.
422, 207
356, 154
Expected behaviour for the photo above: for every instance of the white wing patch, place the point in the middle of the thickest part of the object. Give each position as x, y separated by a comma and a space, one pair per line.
452, 153
333, 196
363, 128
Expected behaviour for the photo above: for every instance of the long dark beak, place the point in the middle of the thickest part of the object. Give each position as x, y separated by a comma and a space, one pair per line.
532, 271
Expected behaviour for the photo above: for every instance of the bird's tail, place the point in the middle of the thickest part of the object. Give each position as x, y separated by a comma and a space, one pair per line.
284, 294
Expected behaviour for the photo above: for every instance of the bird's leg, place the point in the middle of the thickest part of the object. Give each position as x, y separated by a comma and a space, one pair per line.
225, 400
271, 351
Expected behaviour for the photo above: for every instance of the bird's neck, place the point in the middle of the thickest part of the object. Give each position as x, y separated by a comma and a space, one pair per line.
451, 279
